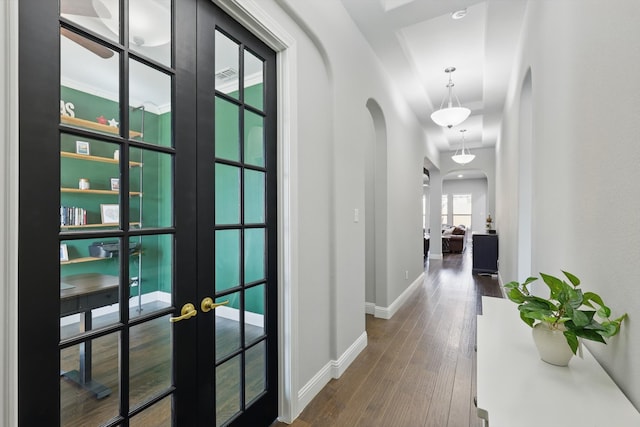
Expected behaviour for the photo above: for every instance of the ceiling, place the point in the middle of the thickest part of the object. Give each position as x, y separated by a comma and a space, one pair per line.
414, 39
417, 39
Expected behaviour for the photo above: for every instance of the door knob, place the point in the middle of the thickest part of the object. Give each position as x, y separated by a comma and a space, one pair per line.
207, 304
187, 312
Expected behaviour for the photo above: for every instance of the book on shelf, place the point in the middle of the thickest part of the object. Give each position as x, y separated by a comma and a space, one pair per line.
72, 216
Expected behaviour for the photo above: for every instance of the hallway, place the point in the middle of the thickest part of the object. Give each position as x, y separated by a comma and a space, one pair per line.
419, 367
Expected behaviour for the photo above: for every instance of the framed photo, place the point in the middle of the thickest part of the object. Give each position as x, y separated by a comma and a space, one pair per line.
64, 253
82, 147
110, 214
115, 184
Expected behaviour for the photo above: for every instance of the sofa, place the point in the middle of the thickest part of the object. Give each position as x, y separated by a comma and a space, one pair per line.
454, 238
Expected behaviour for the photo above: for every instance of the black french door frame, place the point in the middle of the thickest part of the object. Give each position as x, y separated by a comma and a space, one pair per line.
39, 228
39, 199
210, 19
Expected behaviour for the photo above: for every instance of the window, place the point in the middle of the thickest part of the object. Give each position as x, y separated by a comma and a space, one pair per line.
445, 208
462, 209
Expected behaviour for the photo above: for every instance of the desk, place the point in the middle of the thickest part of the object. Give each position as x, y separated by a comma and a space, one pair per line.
516, 388
81, 293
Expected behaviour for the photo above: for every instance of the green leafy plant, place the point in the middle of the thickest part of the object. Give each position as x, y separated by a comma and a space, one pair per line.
566, 306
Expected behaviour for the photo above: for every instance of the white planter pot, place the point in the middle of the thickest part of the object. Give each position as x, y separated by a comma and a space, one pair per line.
551, 344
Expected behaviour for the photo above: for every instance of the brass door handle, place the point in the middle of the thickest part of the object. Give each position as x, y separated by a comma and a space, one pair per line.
207, 304
187, 312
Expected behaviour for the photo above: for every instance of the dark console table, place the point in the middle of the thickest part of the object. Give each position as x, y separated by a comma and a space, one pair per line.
485, 253
81, 293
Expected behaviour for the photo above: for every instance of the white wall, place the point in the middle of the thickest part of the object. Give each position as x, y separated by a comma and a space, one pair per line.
585, 156
478, 190
338, 75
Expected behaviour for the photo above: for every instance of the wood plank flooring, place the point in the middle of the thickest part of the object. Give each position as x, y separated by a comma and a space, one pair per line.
417, 370
419, 367
150, 373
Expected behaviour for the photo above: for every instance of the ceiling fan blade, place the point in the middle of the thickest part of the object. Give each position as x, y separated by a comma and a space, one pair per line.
94, 47
84, 8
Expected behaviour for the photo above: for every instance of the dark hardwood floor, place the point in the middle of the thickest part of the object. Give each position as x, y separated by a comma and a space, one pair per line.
419, 367
417, 370
150, 373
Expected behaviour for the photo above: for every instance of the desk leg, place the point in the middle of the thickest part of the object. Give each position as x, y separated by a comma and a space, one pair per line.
82, 376
85, 349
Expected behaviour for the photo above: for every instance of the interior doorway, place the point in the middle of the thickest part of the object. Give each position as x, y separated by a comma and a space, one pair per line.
376, 211
525, 181
164, 296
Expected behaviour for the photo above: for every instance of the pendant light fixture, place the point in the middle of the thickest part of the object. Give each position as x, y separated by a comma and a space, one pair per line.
461, 156
450, 115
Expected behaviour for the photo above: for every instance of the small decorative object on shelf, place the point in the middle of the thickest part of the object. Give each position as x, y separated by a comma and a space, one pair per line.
82, 147
116, 155
489, 221
64, 253
84, 184
568, 313
115, 184
110, 213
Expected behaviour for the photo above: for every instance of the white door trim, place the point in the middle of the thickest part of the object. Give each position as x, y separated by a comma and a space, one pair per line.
9, 212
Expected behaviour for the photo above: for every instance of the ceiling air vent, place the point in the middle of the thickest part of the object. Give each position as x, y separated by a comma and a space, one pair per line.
227, 74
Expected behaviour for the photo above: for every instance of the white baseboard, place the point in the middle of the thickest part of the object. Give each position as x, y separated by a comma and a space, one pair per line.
370, 308
313, 387
339, 366
250, 318
388, 312
501, 284
333, 369
435, 256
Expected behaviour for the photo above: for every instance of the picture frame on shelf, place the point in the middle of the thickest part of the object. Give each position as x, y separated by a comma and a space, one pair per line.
115, 184
64, 252
82, 148
110, 214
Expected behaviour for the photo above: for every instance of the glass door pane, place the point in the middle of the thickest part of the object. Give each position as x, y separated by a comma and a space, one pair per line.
240, 231
116, 213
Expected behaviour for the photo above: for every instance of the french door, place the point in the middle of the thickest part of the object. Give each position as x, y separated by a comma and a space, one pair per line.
150, 127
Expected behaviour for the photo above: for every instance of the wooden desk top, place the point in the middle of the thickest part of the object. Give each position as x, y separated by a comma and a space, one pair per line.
85, 284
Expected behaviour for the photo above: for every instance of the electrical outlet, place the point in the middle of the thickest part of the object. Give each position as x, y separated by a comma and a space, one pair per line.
356, 215
406, 274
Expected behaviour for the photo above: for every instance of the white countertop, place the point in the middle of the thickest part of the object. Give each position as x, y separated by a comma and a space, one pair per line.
517, 389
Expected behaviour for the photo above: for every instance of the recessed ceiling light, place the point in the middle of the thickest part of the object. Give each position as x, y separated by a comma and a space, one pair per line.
460, 176
459, 14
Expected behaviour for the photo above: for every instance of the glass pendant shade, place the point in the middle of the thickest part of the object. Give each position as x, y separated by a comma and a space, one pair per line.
461, 156
451, 116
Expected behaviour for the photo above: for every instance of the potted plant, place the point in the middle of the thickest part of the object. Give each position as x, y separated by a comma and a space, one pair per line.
568, 314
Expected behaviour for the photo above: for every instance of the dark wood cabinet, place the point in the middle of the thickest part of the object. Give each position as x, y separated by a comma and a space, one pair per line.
485, 253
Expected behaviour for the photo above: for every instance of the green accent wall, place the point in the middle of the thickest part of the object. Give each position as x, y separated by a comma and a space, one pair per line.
227, 200
156, 177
